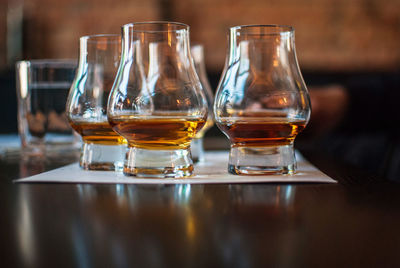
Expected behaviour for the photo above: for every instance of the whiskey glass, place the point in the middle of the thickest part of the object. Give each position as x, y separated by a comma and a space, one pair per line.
102, 148
197, 148
262, 102
157, 102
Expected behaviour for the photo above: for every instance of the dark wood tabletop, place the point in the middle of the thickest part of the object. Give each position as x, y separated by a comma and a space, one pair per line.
350, 224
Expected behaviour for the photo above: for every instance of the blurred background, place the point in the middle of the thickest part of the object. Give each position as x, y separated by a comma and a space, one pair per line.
336, 40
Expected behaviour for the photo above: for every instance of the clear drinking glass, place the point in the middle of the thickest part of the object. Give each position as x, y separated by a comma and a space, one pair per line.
102, 148
262, 102
197, 148
157, 102
42, 90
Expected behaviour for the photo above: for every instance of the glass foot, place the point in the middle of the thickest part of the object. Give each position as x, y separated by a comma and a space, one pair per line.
158, 163
102, 157
269, 160
197, 150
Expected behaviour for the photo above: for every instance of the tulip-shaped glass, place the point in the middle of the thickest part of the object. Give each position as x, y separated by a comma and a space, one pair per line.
157, 102
262, 102
197, 148
102, 148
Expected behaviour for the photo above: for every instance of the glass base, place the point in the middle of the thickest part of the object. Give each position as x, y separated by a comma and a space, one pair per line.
158, 163
197, 150
102, 157
52, 145
269, 160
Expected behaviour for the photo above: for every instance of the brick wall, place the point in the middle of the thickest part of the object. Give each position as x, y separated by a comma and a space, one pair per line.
331, 35
54, 27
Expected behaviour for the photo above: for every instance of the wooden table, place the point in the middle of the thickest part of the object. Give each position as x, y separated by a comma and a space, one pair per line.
350, 224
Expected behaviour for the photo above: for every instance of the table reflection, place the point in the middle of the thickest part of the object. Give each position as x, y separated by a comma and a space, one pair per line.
154, 225
279, 196
31, 165
25, 231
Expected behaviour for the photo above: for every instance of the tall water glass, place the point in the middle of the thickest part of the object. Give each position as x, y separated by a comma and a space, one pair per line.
157, 102
197, 148
262, 102
102, 149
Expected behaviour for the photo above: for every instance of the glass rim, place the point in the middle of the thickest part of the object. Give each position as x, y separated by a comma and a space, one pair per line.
48, 62
278, 29
181, 27
93, 37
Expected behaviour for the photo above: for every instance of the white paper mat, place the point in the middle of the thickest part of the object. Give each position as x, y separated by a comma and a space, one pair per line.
213, 170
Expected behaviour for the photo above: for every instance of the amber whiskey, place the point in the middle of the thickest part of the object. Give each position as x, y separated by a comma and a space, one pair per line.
98, 133
259, 131
209, 123
158, 132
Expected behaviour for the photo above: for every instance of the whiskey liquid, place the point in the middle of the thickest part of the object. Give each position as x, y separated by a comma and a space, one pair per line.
156, 132
209, 123
98, 133
259, 132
